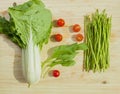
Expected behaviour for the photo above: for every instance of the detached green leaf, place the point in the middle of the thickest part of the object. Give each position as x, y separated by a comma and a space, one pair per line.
67, 56
63, 63
67, 53
68, 49
63, 55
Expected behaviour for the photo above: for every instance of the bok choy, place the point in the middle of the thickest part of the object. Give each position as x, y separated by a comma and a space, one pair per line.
29, 26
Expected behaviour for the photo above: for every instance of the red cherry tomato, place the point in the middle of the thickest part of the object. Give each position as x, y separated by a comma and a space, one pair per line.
60, 22
79, 37
58, 37
76, 28
56, 73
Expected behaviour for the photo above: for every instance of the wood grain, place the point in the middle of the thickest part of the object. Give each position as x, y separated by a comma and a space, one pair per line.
72, 79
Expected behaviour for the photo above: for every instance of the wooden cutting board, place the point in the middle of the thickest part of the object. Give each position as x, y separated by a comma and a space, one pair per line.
72, 79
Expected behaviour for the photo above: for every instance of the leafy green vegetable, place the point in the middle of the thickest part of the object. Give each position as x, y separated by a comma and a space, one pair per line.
29, 27
97, 36
63, 55
31, 16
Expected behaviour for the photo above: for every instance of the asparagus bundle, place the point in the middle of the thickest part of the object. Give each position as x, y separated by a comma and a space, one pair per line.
97, 28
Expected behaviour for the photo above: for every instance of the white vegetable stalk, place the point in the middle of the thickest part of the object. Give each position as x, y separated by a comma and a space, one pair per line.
31, 62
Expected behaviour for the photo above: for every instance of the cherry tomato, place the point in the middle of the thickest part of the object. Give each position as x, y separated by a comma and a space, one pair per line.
79, 37
56, 73
76, 28
58, 37
60, 22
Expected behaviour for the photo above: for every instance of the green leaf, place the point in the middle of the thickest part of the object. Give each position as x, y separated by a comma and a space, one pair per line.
68, 49
64, 54
31, 16
67, 56
8, 28
4, 25
66, 63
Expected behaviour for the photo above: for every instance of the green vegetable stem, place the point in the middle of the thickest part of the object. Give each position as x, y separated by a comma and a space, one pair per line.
97, 29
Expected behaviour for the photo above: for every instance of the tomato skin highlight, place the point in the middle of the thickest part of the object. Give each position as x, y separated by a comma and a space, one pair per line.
79, 37
76, 28
60, 22
56, 73
58, 37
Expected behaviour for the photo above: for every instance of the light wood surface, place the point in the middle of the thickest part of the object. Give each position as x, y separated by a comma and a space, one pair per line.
72, 80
